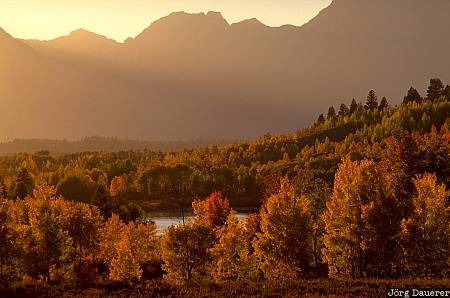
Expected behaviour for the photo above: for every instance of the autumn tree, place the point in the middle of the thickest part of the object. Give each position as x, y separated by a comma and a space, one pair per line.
213, 211
284, 247
317, 191
82, 223
233, 257
9, 248
435, 89
118, 186
412, 96
110, 235
3, 191
185, 251
372, 101
360, 222
48, 251
136, 246
426, 233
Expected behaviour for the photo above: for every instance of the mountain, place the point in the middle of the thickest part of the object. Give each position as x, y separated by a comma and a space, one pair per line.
195, 75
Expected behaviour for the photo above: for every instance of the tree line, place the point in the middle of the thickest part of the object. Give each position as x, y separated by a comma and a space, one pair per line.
373, 205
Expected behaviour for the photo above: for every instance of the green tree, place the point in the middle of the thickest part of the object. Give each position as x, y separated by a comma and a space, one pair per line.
321, 119
412, 96
343, 110
446, 92
331, 113
383, 104
372, 101
353, 107
435, 89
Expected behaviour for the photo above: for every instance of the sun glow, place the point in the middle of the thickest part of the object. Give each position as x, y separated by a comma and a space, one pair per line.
120, 19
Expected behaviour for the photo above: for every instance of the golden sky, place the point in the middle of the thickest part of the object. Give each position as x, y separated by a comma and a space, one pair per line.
119, 19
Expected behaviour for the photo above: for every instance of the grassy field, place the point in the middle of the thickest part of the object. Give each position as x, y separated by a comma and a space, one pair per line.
297, 288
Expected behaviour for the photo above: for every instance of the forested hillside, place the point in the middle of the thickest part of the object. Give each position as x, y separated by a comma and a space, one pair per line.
354, 203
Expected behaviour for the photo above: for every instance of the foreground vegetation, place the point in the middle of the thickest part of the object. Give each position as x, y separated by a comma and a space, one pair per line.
349, 206
161, 288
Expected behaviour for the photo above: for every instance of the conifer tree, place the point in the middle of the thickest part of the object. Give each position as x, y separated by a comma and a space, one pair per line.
353, 107
343, 110
412, 96
372, 101
321, 119
446, 92
383, 104
331, 113
435, 89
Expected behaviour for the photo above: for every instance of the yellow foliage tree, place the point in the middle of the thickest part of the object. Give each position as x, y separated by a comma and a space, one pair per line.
426, 233
233, 257
285, 248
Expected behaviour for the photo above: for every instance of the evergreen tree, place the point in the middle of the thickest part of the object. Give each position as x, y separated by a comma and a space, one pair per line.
446, 92
343, 110
372, 101
383, 104
412, 96
353, 106
331, 113
435, 89
321, 119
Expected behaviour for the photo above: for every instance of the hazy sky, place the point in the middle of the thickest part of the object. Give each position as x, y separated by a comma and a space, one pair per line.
119, 19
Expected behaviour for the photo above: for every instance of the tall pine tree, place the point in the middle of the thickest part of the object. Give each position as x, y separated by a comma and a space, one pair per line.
435, 89
372, 101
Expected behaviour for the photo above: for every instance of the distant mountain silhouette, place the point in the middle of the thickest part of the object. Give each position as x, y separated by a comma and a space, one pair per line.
101, 144
196, 75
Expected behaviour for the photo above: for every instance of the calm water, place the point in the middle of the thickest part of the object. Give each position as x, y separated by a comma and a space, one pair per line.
163, 220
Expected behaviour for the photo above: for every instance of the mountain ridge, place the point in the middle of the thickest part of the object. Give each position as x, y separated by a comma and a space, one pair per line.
181, 78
